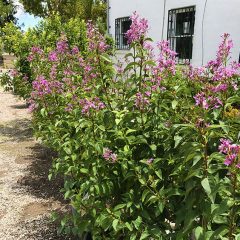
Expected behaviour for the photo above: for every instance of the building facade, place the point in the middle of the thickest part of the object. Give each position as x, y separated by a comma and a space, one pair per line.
193, 27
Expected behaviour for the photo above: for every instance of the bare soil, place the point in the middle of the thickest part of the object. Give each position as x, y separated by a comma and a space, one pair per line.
27, 198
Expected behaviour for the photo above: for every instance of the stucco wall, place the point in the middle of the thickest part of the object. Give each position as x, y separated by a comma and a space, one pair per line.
220, 16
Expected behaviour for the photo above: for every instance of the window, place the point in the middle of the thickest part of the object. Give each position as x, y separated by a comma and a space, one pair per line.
122, 25
181, 31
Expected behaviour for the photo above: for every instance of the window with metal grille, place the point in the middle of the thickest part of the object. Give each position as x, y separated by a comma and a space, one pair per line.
180, 32
122, 25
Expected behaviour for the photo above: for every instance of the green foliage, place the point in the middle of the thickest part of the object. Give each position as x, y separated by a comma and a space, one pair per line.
44, 35
82, 9
140, 160
7, 11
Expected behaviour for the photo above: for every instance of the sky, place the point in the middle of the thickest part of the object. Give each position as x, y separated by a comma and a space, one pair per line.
25, 20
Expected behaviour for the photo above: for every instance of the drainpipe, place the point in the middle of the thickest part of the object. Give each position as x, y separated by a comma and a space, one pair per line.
204, 12
164, 14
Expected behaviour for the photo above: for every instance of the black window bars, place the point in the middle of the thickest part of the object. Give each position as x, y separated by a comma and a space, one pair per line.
122, 25
181, 31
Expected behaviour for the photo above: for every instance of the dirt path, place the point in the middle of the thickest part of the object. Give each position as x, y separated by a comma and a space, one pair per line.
27, 198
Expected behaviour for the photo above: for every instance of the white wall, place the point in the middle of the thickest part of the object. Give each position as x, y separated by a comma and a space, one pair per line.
220, 16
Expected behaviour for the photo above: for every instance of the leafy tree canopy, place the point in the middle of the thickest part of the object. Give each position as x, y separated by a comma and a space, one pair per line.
7, 11
84, 9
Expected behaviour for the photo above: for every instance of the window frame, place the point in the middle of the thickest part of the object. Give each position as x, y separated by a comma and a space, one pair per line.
172, 37
120, 35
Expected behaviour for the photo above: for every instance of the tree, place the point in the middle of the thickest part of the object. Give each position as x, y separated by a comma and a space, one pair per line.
7, 11
84, 9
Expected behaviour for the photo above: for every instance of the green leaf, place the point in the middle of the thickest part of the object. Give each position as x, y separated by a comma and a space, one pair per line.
106, 58
237, 237
101, 127
119, 206
198, 232
43, 112
84, 170
144, 194
159, 174
174, 104
129, 226
137, 222
115, 224
206, 185
144, 235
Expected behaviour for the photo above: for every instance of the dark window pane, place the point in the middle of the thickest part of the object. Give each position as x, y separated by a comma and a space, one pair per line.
181, 30
184, 47
125, 27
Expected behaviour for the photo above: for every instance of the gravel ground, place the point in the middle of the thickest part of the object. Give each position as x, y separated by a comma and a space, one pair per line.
27, 198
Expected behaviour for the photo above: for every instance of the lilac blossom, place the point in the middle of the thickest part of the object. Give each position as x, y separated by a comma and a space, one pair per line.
91, 104
138, 29
109, 155
62, 46
32, 105
96, 40
207, 102
14, 73
41, 86
195, 73
53, 71
150, 160
142, 100
69, 107
231, 151
52, 56
167, 57
75, 50
222, 53
36, 50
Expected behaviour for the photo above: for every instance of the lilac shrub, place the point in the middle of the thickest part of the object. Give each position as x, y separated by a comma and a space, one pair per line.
138, 141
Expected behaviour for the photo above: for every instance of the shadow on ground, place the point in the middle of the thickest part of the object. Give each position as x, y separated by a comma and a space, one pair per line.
35, 182
44, 233
36, 179
17, 130
19, 106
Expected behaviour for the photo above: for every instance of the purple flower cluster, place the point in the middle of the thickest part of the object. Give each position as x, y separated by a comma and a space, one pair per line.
75, 50
52, 56
150, 160
138, 28
142, 100
207, 102
69, 107
41, 86
167, 57
35, 51
14, 73
223, 73
91, 104
62, 45
96, 41
231, 151
195, 73
109, 155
